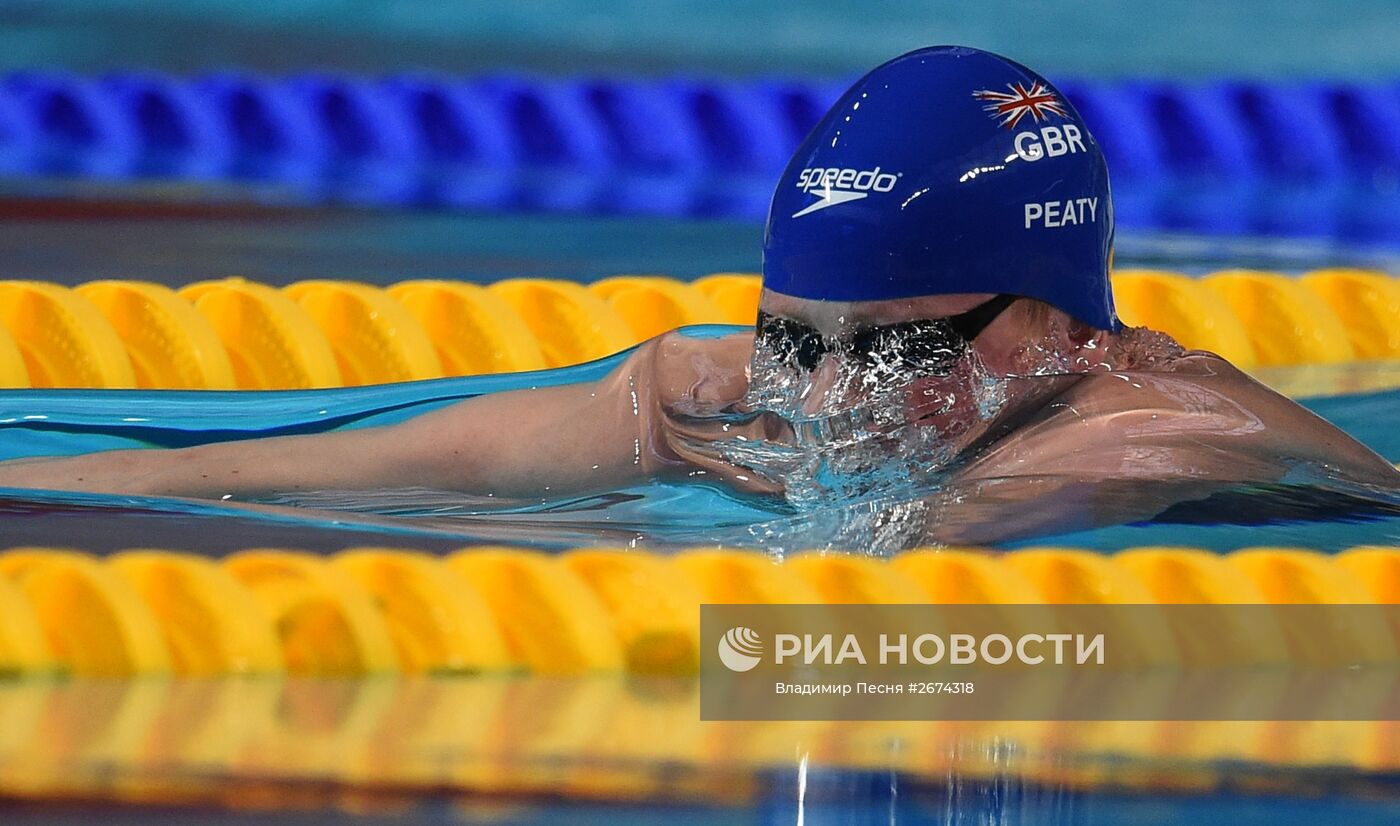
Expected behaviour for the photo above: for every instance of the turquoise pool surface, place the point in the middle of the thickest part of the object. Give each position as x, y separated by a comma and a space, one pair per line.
1085, 37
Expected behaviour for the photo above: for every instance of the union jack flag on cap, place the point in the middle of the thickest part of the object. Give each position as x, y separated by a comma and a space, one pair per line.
1008, 108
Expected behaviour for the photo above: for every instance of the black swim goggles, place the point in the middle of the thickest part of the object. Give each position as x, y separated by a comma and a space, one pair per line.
929, 346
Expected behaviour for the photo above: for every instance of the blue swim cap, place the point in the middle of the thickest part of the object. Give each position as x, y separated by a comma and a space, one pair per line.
947, 170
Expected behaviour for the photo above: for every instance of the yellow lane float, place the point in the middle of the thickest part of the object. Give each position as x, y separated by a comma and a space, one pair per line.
1367, 302
95, 623
1185, 309
171, 345
655, 609
439, 622
735, 294
211, 623
273, 343
653, 305
474, 330
1286, 323
330, 333
376, 339
571, 324
551, 620
327, 624
64, 340
487, 609
13, 373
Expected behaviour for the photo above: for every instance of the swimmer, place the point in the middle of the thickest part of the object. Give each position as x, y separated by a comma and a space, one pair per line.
936, 332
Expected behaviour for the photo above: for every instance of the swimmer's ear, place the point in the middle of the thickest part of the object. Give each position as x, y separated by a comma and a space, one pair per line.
1090, 344
1080, 333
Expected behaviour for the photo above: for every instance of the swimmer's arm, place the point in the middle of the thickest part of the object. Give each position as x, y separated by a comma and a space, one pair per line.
612, 433
527, 443
325, 461
520, 443
1297, 432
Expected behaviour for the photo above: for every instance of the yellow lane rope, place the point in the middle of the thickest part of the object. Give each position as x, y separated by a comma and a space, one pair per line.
494, 609
239, 333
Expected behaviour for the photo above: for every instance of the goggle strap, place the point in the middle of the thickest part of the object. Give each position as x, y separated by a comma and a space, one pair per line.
969, 325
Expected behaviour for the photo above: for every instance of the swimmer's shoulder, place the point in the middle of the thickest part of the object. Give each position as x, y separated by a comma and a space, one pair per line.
1195, 384
1193, 409
704, 369
1202, 395
1205, 364
1210, 370
1184, 369
732, 349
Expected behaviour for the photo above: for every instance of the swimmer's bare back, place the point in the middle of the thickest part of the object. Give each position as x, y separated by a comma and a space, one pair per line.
1197, 416
519, 444
1121, 447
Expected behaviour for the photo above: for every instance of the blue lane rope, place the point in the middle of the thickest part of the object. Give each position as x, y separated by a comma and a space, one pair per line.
1307, 157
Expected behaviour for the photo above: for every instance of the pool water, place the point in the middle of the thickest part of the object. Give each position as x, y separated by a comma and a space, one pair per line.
329, 750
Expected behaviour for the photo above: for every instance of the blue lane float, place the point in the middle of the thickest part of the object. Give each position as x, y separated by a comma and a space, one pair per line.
650, 134
1306, 158
83, 129
273, 136
178, 132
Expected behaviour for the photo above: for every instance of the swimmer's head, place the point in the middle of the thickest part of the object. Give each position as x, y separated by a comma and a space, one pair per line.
946, 225
948, 171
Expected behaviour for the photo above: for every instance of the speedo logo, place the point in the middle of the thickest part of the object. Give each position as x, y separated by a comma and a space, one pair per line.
838, 186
